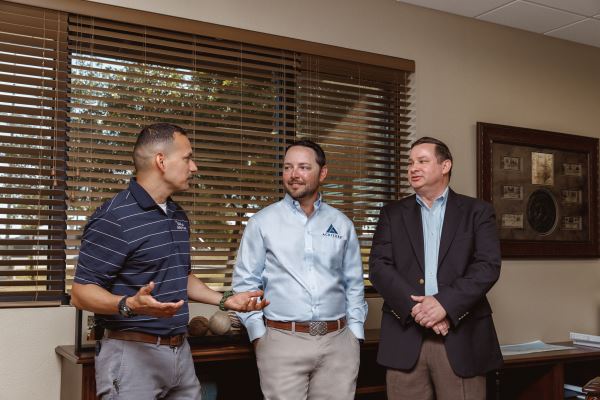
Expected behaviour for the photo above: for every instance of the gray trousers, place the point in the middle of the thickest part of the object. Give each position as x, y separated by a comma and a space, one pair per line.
433, 378
298, 366
128, 370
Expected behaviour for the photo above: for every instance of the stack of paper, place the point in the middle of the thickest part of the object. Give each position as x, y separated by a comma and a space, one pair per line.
583, 339
573, 392
530, 347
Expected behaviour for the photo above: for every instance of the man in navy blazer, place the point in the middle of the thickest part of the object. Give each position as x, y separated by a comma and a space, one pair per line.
434, 257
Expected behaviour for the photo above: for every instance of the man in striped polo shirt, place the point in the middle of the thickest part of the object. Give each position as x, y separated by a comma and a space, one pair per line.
134, 273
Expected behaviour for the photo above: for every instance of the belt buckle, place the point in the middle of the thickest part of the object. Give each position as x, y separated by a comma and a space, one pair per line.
317, 328
175, 341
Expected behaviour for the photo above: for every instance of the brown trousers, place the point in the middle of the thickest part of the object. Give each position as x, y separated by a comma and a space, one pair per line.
433, 378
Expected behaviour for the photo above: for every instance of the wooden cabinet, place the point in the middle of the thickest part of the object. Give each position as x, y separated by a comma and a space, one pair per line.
541, 376
233, 369
538, 376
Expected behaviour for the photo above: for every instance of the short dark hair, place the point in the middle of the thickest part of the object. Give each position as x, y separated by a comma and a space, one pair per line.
442, 152
161, 133
321, 160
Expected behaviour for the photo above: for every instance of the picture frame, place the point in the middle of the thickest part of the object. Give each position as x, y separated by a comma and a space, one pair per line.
543, 186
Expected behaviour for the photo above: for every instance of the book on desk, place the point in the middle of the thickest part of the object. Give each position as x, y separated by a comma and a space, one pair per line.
583, 339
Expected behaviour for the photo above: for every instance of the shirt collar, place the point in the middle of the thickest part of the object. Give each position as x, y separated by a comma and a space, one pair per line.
295, 204
440, 199
141, 196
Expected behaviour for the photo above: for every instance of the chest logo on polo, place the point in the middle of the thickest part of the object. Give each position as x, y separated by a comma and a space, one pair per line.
332, 232
180, 225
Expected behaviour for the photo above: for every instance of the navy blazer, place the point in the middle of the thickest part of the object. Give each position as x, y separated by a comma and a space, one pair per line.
468, 266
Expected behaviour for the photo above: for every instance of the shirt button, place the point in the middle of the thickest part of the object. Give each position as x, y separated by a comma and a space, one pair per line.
421, 281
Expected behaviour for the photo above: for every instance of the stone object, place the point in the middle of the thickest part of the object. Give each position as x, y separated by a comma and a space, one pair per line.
219, 323
198, 326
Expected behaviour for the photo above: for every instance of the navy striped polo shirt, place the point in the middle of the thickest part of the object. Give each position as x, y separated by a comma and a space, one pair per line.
130, 241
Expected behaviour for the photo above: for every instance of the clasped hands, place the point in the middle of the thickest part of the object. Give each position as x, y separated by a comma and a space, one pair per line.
144, 303
429, 313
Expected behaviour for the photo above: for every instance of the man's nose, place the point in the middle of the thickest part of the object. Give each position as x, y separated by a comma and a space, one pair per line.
194, 167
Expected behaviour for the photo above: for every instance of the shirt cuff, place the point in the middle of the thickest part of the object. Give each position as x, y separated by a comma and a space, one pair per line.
256, 329
358, 330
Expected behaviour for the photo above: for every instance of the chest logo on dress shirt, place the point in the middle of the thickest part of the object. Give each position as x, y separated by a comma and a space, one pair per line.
180, 225
332, 232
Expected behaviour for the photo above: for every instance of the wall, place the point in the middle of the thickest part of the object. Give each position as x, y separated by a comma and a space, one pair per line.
467, 71
29, 368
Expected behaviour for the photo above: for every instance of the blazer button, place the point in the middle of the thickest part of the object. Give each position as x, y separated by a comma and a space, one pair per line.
421, 281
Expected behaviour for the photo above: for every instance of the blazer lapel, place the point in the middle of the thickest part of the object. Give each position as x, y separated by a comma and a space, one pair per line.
451, 219
414, 227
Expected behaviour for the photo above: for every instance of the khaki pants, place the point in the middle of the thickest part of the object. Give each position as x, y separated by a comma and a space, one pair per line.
298, 366
433, 378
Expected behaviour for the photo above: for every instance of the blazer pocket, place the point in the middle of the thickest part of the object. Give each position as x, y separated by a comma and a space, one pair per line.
463, 236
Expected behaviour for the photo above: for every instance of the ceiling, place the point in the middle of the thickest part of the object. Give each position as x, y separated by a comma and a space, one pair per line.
574, 20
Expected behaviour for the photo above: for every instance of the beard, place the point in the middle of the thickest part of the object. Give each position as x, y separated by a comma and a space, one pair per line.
302, 191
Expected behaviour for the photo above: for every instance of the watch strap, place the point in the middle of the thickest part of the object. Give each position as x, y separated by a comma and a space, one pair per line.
124, 309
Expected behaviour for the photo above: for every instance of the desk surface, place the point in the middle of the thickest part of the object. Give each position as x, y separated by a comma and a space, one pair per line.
208, 352
578, 352
216, 352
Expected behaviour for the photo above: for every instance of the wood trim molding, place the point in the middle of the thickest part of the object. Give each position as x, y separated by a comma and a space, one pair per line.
129, 15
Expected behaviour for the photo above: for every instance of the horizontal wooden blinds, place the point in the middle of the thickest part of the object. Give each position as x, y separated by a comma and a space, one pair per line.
76, 90
33, 61
361, 115
236, 101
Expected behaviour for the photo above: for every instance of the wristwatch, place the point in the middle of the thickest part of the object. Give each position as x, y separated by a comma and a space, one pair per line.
124, 309
226, 295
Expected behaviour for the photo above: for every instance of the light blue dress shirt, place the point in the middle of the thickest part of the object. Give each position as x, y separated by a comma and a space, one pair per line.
432, 220
310, 268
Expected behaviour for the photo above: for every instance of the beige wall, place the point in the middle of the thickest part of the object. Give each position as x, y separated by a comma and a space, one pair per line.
467, 71
29, 368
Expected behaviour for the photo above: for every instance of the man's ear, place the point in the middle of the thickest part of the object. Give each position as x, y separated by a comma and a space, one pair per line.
446, 166
323, 173
159, 160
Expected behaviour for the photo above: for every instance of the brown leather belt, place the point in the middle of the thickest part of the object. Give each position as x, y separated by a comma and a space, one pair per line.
173, 341
313, 327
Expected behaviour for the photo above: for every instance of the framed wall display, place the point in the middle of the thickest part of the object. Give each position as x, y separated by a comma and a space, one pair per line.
543, 186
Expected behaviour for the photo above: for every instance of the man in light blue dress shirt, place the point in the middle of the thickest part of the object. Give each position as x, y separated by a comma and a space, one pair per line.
306, 257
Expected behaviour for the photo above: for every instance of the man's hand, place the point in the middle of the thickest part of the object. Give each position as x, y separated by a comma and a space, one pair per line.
143, 303
428, 311
246, 301
442, 327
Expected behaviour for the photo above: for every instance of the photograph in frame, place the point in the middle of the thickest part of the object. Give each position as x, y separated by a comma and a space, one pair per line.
543, 186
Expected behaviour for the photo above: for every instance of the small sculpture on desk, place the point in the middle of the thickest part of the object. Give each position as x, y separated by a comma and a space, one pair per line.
235, 320
198, 326
219, 323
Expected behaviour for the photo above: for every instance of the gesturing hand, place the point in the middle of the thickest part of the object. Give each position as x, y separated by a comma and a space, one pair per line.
246, 301
428, 311
143, 303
